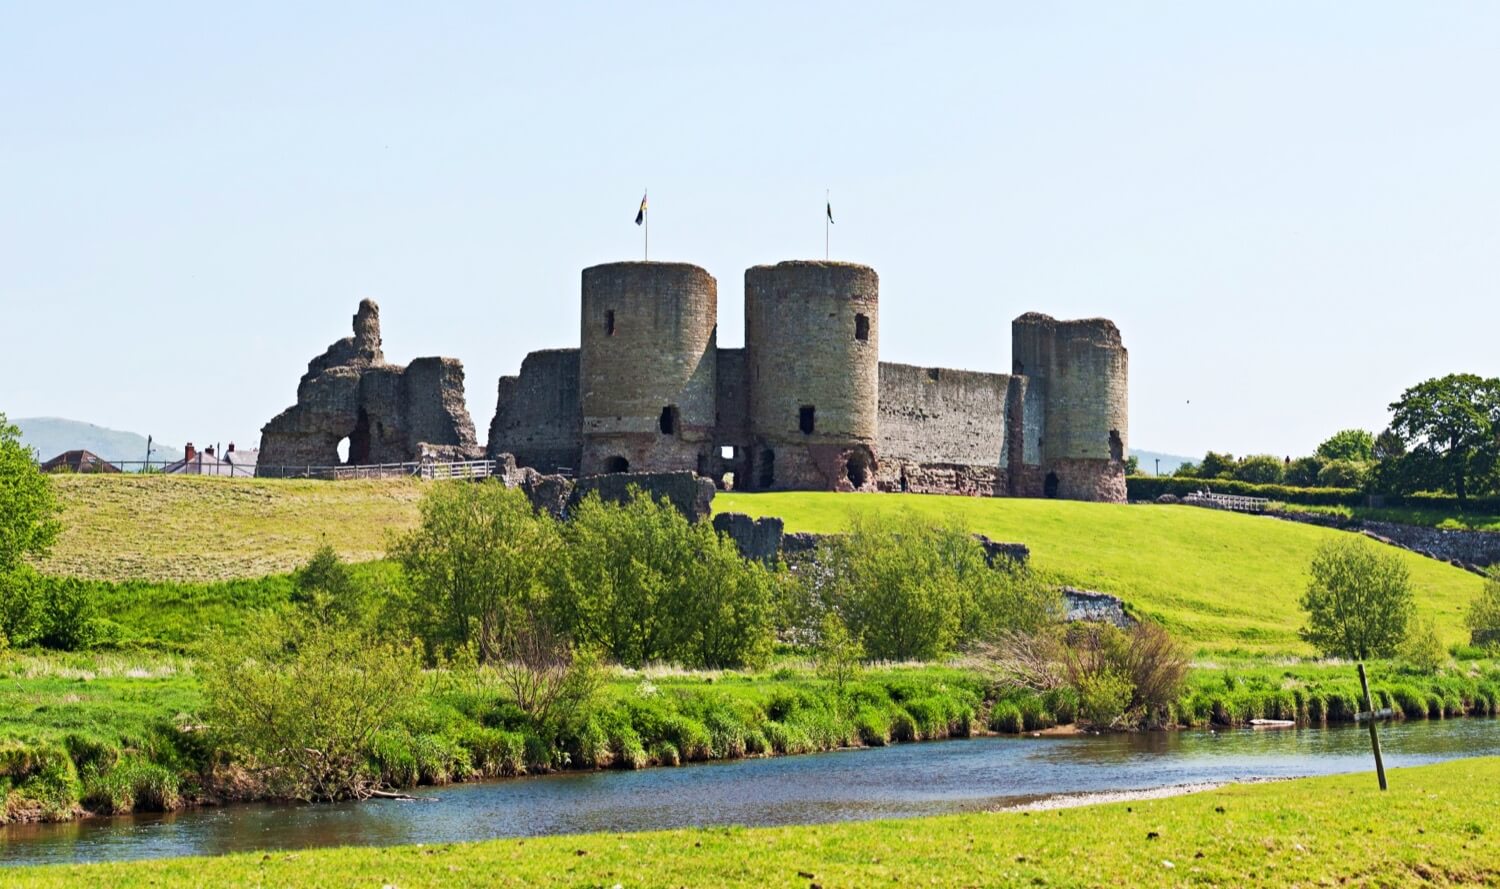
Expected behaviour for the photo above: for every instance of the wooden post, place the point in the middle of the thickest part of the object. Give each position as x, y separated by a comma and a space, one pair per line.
1364, 683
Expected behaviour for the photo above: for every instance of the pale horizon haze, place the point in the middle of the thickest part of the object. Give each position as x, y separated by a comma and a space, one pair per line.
1291, 210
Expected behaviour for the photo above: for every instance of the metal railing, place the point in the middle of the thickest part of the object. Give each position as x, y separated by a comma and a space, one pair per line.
1231, 502
427, 470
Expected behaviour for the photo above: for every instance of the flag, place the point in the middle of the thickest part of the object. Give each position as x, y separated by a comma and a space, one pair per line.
640, 215
830, 213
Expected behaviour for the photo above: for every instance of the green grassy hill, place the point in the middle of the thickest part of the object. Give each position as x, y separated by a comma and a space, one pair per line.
193, 529
1227, 582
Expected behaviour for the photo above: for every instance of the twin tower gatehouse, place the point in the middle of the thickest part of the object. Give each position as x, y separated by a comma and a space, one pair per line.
807, 404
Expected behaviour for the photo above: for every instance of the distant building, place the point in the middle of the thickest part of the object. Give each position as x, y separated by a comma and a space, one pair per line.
240, 464
79, 461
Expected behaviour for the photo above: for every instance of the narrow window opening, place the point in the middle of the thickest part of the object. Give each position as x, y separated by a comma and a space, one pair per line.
726, 452
806, 418
1049, 486
862, 328
668, 421
609, 322
1116, 446
616, 464
767, 468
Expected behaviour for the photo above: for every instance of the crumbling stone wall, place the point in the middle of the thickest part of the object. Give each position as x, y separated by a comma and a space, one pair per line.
537, 414
389, 413
943, 431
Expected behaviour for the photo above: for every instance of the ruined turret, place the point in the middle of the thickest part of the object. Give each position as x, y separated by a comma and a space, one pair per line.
389, 413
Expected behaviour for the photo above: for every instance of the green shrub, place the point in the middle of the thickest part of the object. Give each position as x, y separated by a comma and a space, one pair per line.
1006, 717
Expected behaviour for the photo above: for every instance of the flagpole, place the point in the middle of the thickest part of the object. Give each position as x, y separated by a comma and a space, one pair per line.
826, 220
646, 224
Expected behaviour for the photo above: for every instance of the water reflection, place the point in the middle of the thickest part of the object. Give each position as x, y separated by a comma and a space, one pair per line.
909, 780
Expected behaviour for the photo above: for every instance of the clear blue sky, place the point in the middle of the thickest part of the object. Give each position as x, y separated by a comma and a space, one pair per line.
1292, 210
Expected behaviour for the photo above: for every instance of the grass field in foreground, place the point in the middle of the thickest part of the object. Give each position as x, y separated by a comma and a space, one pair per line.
1222, 581
124, 527
1435, 826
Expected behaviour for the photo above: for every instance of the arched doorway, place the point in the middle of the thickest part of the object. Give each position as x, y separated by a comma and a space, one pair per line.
616, 464
1049, 486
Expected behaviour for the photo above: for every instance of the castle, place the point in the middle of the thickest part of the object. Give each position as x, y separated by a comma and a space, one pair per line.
805, 405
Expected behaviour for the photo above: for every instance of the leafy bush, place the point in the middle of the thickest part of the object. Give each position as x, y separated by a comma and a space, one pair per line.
1423, 647
304, 702
1149, 663
644, 585
1259, 469
910, 590
1303, 472
1343, 474
1103, 698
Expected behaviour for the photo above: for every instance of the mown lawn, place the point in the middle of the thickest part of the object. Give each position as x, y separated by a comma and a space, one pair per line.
1435, 826
1222, 581
184, 528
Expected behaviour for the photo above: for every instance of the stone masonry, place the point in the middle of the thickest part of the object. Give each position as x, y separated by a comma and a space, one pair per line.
806, 404
389, 413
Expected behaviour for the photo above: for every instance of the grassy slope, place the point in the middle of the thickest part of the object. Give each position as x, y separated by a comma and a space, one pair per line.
194, 529
1224, 581
1433, 826
1408, 515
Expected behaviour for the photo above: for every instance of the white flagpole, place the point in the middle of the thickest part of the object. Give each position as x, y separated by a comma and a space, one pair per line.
826, 219
646, 223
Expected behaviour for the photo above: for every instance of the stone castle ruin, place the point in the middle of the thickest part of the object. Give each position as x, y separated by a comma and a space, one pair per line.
806, 404
388, 413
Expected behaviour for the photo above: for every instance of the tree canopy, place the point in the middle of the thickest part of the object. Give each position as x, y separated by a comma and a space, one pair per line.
1450, 426
1358, 601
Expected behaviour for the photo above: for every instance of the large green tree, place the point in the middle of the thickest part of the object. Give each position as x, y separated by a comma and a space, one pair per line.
28, 507
1450, 426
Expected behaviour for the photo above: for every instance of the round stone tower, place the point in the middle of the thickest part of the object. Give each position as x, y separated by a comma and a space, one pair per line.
646, 367
1077, 376
813, 374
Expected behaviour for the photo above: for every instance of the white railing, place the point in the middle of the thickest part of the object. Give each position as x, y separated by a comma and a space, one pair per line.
1231, 502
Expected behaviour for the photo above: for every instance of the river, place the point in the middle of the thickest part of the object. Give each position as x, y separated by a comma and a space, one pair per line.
900, 781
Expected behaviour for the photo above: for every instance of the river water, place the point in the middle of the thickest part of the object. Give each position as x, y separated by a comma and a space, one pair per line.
900, 781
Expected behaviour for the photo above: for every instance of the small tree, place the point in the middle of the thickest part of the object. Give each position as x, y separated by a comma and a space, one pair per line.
28, 506
1358, 603
1422, 649
1483, 616
838, 653
327, 589
544, 674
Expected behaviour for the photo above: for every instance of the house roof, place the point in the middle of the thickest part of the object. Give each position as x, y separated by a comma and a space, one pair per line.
79, 461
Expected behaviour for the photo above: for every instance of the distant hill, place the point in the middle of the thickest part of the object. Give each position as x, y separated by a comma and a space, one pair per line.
51, 436
1169, 462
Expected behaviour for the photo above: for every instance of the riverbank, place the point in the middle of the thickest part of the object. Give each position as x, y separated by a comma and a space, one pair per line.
98, 734
1433, 826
